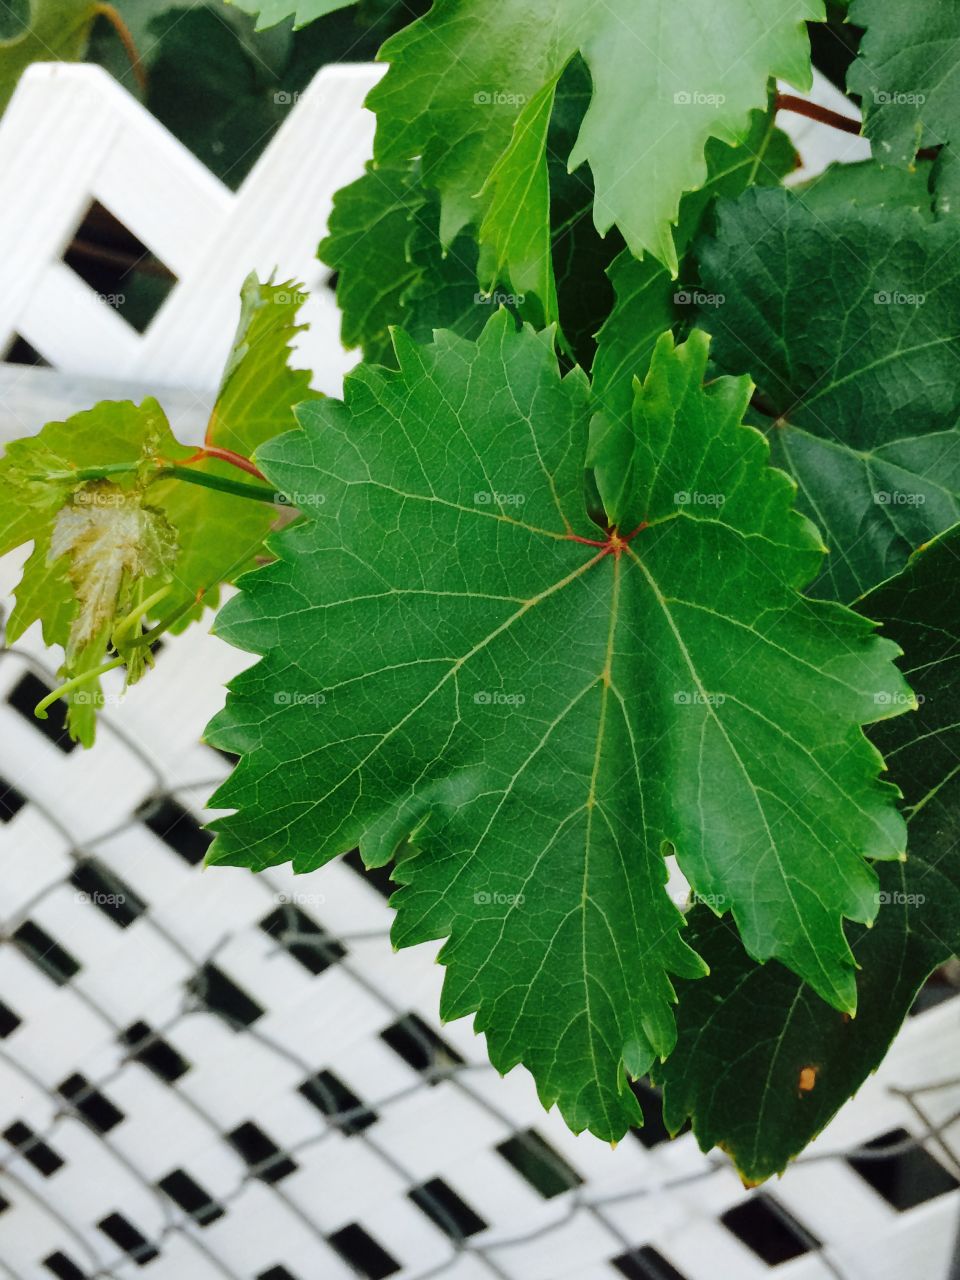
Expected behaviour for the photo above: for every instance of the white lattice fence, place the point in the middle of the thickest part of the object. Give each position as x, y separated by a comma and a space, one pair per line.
221, 1075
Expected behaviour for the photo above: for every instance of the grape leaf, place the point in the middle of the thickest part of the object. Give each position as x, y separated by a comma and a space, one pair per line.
467, 87
907, 75
269, 12
107, 545
254, 403
850, 318
78, 596
752, 1102
456, 660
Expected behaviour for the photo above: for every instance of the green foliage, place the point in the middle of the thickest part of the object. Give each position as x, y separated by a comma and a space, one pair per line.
475, 107
849, 318
907, 75
555, 647
754, 1101
647, 300
116, 531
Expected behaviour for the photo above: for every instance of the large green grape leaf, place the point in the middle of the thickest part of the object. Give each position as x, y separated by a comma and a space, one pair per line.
468, 83
849, 318
907, 74
648, 301
458, 662
795, 1061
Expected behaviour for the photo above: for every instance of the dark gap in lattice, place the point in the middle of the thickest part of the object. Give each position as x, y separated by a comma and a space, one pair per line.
338, 1103
20, 352
905, 1178
330, 282
104, 889
176, 827
646, 1264
653, 1131
538, 1164
265, 1159
59, 1265
8, 1021
152, 1051
11, 800
126, 1237
308, 942
191, 1197
119, 267
419, 1046
276, 1273
360, 1251
444, 1207
95, 1107
37, 945
217, 993
33, 1148
25, 695
765, 1227
377, 877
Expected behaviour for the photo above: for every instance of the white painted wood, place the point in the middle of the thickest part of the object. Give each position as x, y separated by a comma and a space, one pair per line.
72, 134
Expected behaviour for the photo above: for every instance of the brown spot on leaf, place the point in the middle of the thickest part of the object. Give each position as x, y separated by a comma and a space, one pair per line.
808, 1079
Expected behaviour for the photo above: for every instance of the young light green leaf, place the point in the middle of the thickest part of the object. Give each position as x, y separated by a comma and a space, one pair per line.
797, 1061
254, 403
850, 317
515, 240
114, 536
95, 544
467, 83
458, 663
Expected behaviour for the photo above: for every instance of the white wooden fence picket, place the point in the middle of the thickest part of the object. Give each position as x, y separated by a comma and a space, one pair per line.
73, 134
234, 1076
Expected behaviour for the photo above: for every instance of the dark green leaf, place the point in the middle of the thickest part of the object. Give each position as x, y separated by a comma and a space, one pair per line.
849, 319
748, 1032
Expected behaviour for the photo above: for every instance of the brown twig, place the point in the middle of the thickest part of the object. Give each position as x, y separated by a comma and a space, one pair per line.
103, 10
801, 107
